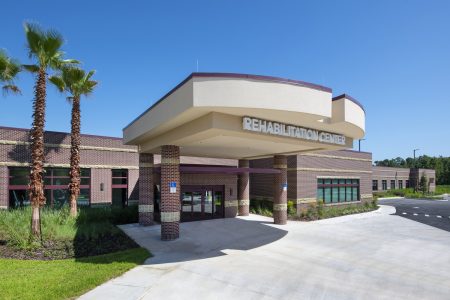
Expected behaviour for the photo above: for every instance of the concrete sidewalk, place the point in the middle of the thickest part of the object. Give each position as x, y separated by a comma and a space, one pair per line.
367, 256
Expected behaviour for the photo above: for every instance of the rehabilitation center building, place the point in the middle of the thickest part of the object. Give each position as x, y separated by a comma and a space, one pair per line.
207, 148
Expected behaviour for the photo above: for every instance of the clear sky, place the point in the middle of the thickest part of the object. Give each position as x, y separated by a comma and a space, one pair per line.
393, 56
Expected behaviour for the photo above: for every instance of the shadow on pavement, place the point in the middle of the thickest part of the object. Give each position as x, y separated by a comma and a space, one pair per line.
204, 239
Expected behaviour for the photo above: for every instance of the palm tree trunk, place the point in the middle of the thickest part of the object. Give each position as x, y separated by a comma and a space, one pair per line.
36, 188
74, 186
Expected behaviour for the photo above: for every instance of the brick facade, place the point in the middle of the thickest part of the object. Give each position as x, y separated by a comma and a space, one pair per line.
99, 154
3, 187
170, 201
244, 189
101, 177
280, 190
146, 189
402, 175
303, 170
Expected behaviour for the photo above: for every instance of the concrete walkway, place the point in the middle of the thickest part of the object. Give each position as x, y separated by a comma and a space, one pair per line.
374, 255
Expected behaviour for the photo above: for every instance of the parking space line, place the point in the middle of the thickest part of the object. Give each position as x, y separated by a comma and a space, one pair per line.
427, 215
415, 214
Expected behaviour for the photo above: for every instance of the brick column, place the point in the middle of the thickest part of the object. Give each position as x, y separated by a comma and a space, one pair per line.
280, 190
244, 189
170, 202
146, 189
4, 187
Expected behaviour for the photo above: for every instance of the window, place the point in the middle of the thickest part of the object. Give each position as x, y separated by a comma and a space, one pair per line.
375, 185
392, 184
384, 184
407, 183
337, 190
119, 187
56, 181
400, 184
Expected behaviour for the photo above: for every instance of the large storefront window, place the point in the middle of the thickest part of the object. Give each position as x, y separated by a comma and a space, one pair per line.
56, 181
120, 187
337, 190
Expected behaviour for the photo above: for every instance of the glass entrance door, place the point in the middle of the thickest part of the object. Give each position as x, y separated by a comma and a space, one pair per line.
201, 202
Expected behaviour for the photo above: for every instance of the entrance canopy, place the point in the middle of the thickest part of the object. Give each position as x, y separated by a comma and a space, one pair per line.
247, 116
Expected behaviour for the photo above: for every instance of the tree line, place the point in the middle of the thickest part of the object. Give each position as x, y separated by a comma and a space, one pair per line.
441, 164
49, 65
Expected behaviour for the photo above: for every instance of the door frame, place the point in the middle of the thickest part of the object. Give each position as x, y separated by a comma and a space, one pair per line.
202, 189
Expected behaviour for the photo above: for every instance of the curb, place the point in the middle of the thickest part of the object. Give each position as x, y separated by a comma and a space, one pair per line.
390, 198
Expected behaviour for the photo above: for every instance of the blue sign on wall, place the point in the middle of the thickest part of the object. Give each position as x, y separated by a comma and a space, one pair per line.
284, 186
172, 187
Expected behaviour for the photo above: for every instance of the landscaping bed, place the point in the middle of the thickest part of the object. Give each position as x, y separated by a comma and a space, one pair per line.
411, 194
93, 232
314, 211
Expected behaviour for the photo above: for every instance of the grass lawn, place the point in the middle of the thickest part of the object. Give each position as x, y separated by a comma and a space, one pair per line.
62, 279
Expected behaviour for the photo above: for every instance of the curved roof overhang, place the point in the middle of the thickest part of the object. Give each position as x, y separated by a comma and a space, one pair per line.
204, 115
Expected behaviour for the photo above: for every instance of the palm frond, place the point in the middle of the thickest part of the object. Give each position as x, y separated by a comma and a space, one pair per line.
45, 46
77, 82
58, 82
11, 88
35, 38
31, 68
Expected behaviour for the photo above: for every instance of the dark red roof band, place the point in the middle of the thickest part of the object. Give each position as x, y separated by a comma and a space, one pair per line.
235, 75
221, 170
351, 99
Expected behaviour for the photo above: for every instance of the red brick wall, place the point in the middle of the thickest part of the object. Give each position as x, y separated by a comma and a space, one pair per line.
99, 176
3, 187
303, 171
57, 152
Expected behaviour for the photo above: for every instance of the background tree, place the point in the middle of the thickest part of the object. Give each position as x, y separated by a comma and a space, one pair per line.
77, 83
9, 68
440, 164
423, 184
45, 48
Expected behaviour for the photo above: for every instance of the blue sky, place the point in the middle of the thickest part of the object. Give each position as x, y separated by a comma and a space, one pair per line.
393, 56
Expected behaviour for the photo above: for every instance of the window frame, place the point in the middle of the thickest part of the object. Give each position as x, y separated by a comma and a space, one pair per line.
332, 187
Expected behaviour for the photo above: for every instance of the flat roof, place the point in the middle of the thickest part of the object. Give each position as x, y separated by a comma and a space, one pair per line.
238, 76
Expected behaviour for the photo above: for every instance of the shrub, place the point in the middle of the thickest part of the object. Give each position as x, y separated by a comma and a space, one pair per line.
317, 211
92, 232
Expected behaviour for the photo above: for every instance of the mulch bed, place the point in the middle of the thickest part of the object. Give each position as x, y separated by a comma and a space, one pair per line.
64, 249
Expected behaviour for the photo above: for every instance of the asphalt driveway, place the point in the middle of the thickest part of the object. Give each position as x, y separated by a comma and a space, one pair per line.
374, 255
431, 212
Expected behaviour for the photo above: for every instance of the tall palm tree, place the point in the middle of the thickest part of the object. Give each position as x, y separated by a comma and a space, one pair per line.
77, 83
9, 68
45, 48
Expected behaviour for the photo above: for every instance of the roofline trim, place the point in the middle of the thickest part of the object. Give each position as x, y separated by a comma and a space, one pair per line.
233, 75
62, 132
348, 97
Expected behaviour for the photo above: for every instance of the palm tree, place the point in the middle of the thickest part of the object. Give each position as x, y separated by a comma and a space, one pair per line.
76, 82
9, 68
45, 48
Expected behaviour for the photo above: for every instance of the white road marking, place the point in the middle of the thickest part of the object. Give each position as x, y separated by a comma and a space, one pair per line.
415, 207
427, 215
415, 214
438, 216
406, 214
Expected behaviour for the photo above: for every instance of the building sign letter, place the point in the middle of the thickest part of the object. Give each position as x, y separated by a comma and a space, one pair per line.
286, 130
